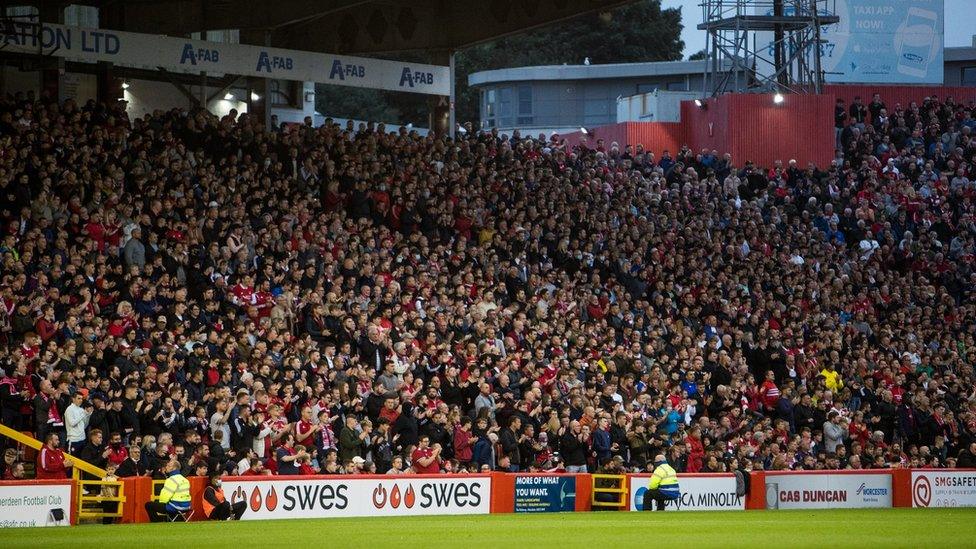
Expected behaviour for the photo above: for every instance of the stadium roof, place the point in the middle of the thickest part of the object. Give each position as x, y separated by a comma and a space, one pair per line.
587, 72
346, 26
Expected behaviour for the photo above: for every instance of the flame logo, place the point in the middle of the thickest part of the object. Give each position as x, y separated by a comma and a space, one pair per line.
379, 496
256, 499
271, 501
238, 495
409, 498
395, 497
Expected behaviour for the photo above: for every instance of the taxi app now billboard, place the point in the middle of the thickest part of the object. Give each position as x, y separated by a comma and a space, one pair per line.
879, 41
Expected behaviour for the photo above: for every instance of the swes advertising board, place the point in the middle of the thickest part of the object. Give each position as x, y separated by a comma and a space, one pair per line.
358, 497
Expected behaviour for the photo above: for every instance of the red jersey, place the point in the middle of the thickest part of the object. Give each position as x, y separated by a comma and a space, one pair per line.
421, 453
50, 464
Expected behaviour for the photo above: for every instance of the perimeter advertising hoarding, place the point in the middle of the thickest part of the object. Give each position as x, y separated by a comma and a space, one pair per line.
311, 497
698, 493
26, 505
828, 490
934, 488
877, 41
545, 494
147, 51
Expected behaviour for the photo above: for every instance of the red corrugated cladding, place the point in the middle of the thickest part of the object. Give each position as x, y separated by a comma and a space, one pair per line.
752, 127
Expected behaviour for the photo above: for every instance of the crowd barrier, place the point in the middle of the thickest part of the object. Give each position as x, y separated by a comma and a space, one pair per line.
50, 503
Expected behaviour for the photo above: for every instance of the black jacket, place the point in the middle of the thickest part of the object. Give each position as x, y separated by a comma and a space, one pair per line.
129, 468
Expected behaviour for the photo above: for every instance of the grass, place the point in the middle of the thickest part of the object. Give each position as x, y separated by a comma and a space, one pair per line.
841, 528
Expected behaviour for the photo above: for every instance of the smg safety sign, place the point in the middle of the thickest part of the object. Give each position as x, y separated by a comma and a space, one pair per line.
35, 504
147, 51
545, 494
934, 488
306, 497
698, 493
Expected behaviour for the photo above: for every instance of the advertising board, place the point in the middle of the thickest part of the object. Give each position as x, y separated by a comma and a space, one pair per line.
35, 504
698, 493
934, 488
316, 497
545, 494
828, 490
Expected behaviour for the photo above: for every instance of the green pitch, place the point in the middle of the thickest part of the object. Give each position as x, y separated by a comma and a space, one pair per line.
607, 530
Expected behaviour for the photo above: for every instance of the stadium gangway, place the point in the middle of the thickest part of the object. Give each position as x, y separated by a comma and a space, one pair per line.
609, 484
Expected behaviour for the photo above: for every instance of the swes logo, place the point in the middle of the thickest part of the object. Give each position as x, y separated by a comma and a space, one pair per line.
304, 496
431, 495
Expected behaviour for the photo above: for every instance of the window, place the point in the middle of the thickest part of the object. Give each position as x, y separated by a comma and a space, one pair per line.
81, 16
286, 93
506, 107
525, 99
490, 104
968, 76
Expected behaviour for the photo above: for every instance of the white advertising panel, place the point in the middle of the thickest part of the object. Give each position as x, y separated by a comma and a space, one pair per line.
828, 491
25, 505
147, 51
698, 493
883, 41
935, 488
305, 497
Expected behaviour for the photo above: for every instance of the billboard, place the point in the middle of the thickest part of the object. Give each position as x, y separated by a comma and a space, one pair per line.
321, 497
828, 490
545, 493
698, 493
879, 41
935, 488
147, 51
27, 505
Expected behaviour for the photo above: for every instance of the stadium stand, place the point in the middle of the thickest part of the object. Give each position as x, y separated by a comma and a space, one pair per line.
338, 300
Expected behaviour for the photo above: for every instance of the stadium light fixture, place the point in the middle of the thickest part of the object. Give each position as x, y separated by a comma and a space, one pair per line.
255, 97
778, 99
228, 96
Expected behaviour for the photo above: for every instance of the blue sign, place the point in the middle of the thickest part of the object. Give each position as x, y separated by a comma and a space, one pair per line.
545, 494
883, 41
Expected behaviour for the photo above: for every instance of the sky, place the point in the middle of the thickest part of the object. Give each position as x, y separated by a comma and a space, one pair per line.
959, 28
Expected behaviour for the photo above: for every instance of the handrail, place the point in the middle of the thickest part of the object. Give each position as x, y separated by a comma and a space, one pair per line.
32, 442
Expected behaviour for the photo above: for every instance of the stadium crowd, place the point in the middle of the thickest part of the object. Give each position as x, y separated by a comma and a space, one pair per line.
343, 300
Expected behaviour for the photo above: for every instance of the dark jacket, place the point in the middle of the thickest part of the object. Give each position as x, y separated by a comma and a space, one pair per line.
573, 451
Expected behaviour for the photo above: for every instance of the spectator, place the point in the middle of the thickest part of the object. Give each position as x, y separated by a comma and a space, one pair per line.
51, 462
216, 506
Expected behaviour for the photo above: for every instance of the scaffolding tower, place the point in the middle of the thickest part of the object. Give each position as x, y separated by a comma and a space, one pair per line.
764, 45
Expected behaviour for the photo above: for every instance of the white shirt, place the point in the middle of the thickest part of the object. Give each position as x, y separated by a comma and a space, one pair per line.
75, 422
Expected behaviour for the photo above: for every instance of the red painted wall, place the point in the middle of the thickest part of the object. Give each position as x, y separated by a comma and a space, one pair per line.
654, 136
748, 126
752, 127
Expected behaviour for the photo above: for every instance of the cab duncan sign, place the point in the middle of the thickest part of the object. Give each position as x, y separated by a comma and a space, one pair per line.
828, 490
698, 493
310, 497
943, 488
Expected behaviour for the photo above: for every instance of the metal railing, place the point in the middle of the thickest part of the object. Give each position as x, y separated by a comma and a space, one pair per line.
615, 485
95, 508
